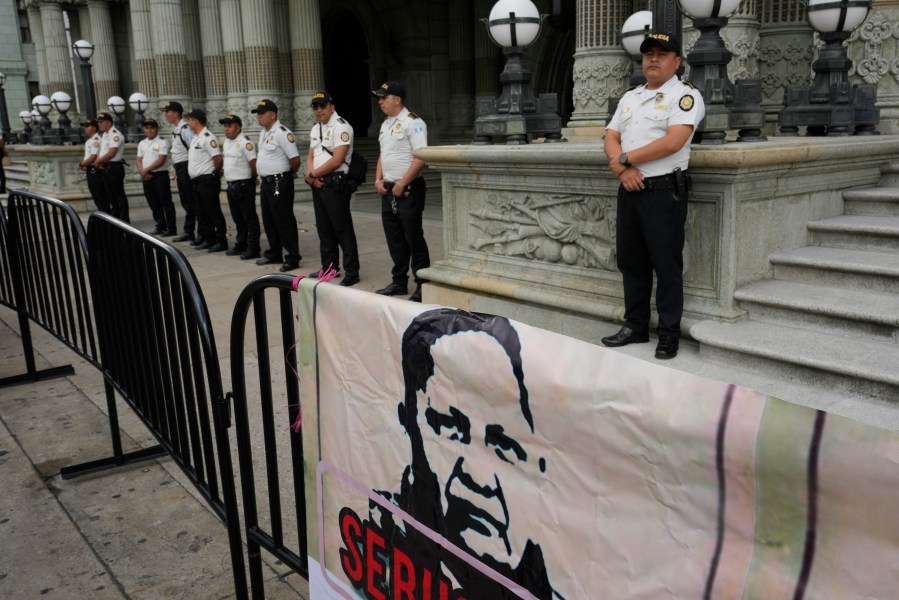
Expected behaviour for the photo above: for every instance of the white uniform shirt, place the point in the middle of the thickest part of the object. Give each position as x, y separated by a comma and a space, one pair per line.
399, 136
237, 156
643, 118
113, 139
92, 146
180, 151
203, 147
275, 149
150, 150
336, 132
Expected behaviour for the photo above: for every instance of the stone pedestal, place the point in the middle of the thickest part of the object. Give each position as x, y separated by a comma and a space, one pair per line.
530, 230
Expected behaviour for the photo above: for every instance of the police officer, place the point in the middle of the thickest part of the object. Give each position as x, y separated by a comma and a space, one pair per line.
152, 154
240, 176
94, 177
330, 148
402, 188
204, 166
278, 161
110, 163
648, 146
180, 150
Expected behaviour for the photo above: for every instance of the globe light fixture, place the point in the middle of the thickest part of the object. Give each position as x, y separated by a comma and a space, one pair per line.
5, 126
83, 49
831, 105
517, 115
41, 105
727, 106
25, 136
635, 29
116, 105
62, 102
139, 104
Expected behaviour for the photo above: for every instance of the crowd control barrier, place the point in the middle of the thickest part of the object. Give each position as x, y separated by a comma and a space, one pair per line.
277, 475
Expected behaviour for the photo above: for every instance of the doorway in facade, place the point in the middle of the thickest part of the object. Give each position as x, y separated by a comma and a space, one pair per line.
346, 70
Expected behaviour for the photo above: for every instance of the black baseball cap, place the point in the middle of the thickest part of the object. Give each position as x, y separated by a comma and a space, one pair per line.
197, 113
148, 122
230, 119
390, 88
265, 106
172, 105
104, 116
321, 98
665, 40
89, 123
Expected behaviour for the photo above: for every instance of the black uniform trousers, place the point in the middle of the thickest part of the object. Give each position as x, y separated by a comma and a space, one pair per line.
97, 189
158, 192
187, 195
2, 177
114, 186
276, 200
401, 218
242, 202
334, 223
650, 238
210, 219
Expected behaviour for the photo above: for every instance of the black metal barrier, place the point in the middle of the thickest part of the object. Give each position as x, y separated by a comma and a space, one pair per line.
257, 537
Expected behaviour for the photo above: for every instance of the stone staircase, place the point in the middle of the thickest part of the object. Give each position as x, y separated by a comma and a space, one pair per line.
829, 318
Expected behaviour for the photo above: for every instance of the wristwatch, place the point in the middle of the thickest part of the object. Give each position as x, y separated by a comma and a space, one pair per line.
622, 158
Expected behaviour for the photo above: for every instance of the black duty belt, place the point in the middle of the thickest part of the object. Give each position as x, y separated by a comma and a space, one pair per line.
158, 173
203, 177
276, 177
661, 183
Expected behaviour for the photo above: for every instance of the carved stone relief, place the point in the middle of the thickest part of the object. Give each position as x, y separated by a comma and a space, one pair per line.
598, 75
44, 173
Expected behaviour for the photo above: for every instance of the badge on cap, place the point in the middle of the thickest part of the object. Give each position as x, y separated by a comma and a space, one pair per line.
686, 102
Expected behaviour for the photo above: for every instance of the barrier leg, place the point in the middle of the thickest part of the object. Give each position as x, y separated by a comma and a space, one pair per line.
31, 373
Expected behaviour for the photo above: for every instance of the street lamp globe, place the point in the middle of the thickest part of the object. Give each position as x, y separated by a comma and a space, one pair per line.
138, 102
116, 104
35, 115
25, 115
514, 23
61, 101
42, 105
827, 16
634, 31
709, 9
84, 49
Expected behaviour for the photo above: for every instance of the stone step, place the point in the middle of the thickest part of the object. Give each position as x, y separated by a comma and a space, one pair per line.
816, 359
870, 315
889, 175
855, 231
843, 267
874, 201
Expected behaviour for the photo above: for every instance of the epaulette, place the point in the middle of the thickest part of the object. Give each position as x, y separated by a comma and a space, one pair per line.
688, 84
341, 120
283, 128
412, 115
206, 134
633, 87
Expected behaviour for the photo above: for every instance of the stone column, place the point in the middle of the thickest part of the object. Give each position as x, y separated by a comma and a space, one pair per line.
282, 46
58, 70
196, 83
141, 25
37, 34
601, 67
786, 50
308, 67
105, 71
84, 23
169, 50
216, 91
461, 60
235, 61
258, 21
874, 48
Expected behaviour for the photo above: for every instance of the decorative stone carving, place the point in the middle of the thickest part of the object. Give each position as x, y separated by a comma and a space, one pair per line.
45, 174
556, 228
598, 75
784, 64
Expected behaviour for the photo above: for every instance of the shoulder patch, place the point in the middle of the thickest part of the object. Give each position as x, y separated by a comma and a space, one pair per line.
290, 137
344, 137
686, 103
213, 144
249, 146
115, 138
412, 115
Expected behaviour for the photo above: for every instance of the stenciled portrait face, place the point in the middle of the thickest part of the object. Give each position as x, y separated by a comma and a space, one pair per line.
480, 447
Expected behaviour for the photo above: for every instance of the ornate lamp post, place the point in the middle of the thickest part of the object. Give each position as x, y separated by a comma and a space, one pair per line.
138, 103
25, 115
42, 105
727, 106
84, 49
4, 114
35, 130
517, 115
62, 102
116, 105
831, 106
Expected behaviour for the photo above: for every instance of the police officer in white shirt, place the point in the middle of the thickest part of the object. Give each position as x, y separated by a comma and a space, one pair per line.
205, 169
180, 151
648, 147
152, 155
240, 177
109, 162
402, 188
277, 163
94, 177
327, 167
